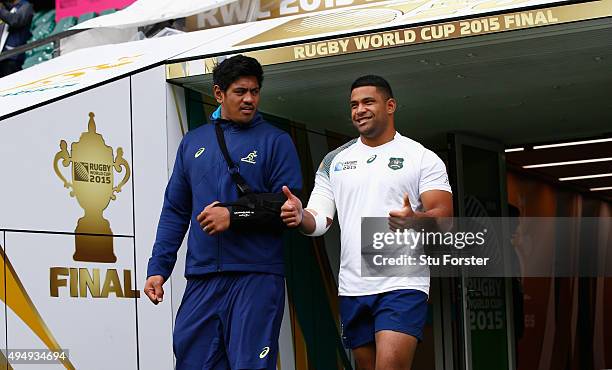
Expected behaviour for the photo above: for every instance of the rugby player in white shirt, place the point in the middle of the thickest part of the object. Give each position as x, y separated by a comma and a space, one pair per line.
379, 174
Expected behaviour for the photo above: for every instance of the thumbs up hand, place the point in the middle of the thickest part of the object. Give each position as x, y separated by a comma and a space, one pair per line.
403, 218
291, 211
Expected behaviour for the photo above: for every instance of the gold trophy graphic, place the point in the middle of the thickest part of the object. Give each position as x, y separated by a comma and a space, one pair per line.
92, 185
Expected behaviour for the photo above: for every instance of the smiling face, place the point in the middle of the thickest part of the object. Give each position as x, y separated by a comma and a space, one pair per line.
371, 111
240, 101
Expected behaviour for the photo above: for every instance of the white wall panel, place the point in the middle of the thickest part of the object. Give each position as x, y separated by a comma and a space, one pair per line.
33, 197
97, 324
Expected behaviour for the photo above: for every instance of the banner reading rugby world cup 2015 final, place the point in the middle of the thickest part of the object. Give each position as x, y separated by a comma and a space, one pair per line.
362, 29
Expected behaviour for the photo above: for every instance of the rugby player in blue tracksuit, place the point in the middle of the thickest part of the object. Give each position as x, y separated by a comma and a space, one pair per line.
232, 308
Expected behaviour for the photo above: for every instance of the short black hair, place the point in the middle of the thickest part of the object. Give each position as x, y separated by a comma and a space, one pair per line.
372, 80
231, 69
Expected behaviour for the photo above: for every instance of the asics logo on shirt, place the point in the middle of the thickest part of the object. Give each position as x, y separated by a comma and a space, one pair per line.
371, 159
199, 152
264, 352
250, 158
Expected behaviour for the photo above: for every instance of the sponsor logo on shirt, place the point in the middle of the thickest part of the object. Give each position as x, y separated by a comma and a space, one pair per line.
264, 352
250, 158
199, 152
371, 159
396, 163
348, 165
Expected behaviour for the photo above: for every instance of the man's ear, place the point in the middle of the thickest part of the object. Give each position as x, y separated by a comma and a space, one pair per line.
391, 106
219, 95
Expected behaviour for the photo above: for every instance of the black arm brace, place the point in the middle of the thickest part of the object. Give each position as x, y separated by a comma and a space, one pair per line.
256, 212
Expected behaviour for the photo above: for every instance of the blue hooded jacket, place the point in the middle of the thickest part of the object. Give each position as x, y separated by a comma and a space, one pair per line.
267, 159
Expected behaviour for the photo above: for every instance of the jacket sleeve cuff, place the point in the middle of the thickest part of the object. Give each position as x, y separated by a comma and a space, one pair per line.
155, 269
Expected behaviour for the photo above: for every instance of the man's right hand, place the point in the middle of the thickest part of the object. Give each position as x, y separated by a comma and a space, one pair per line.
153, 288
291, 211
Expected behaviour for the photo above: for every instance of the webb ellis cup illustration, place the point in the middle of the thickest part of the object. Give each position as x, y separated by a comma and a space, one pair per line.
93, 187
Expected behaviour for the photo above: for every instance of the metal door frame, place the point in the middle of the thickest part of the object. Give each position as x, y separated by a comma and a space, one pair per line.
456, 142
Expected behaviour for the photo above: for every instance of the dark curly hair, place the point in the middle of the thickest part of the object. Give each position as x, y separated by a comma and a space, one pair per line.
231, 69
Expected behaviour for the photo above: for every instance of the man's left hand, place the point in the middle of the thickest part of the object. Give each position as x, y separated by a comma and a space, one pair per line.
214, 219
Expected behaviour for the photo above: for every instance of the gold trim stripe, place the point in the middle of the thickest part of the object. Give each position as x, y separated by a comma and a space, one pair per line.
23, 307
4, 364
